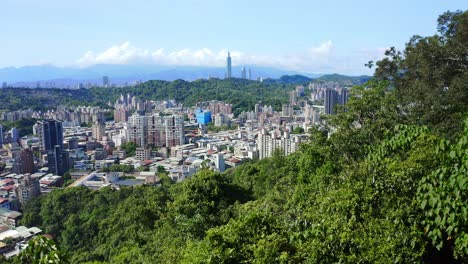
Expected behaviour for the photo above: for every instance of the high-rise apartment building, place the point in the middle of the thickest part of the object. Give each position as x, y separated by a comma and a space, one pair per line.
175, 134
243, 73
268, 142
334, 97
99, 131
137, 130
121, 115
287, 110
331, 100
24, 162
156, 130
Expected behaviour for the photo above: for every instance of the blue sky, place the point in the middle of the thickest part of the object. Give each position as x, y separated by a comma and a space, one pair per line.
309, 36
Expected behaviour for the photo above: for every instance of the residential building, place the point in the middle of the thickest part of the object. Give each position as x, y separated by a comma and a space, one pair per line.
136, 130
143, 154
27, 188
156, 130
121, 115
331, 100
175, 134
99, 131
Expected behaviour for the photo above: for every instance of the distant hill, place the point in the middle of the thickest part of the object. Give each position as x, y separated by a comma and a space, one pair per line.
67, 77
290, 79
241, 93
343, 78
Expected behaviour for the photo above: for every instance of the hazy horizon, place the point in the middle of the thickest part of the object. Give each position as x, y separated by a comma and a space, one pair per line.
303, 36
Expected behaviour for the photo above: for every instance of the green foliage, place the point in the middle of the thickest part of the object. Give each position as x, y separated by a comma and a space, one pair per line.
24, 126
443, 195
298, 130
130, 148
41, 250
143, 168
121, 168
430, 76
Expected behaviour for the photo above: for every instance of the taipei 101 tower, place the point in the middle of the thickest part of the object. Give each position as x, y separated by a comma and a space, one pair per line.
229, 69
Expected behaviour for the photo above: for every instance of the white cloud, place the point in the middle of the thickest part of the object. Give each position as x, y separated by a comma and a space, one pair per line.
319, 58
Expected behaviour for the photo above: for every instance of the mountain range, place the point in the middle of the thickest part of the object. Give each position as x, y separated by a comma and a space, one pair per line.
61, 77
69, 77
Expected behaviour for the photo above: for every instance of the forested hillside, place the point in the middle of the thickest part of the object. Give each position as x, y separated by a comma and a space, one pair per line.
243, 94
389, 185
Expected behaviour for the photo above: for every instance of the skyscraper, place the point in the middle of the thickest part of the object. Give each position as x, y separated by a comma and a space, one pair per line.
1, 136
105, 81
52, 141
229, 67
52, 133
243, 73
250, 74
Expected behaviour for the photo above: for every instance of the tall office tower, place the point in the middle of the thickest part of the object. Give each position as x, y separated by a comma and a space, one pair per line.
156, 130
52, 134
99, 131
136, 129
243, 73
331, 100
1, 136
250, 74
28, 188
229, 67
4, 85
105, 81
52, 137
174, 130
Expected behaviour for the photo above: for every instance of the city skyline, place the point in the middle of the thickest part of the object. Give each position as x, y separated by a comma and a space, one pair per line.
304, 36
